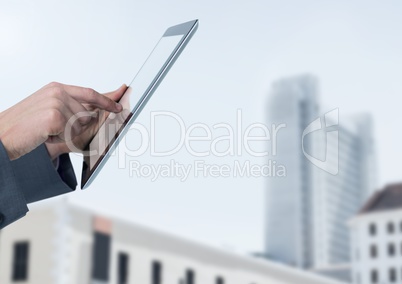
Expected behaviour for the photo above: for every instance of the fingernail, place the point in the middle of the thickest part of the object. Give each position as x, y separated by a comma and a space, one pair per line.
119, 107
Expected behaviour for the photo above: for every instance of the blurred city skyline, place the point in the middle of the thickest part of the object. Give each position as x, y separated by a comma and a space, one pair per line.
240, 49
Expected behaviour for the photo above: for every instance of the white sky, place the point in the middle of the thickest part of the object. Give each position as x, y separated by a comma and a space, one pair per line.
354, 47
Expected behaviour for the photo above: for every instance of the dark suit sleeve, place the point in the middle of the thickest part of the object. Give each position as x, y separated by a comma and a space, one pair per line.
33, 178
12, 201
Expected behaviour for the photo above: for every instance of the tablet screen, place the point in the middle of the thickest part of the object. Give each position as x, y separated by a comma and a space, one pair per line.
130, 100
136, 96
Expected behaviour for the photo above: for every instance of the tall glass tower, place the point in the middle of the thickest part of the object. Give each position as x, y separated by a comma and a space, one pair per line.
328, 176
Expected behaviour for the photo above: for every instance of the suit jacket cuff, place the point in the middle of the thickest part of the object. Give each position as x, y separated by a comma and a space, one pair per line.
39, 179
12, 200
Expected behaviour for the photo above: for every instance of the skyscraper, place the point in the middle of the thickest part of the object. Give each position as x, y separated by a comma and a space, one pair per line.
329, 167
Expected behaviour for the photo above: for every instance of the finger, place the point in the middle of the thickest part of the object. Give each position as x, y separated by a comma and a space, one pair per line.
73, 127
90, 96
62, 123
83, 115
117, 94
70, 126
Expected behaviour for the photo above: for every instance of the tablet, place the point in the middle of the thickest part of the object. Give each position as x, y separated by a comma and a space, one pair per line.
140, 90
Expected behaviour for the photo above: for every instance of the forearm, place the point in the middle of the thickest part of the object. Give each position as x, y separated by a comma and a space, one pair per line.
5, 123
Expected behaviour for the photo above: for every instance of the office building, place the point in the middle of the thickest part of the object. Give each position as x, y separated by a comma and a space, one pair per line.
62, 243
329, 160
376, 233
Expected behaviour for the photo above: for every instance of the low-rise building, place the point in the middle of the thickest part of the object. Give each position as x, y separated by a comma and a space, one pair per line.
62, 243
376, 234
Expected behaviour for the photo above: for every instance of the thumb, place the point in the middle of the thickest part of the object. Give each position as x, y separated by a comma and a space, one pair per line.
117, 94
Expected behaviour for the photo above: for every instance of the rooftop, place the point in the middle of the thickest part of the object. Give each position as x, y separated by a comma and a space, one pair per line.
387, 199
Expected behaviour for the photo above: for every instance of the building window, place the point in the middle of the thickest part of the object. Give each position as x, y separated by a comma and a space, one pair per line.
374, 276
100, 257
390, 228
123, 263
391, 249
220, 280
372, 229
190, 276
156, 272
373, 251
392, 275
20, 261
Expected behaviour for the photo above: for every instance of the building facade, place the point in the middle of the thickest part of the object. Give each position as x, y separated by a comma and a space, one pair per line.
61, 243
329, 164
376, 234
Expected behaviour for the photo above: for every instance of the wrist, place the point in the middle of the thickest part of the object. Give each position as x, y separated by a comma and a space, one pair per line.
3, 138
7, 144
